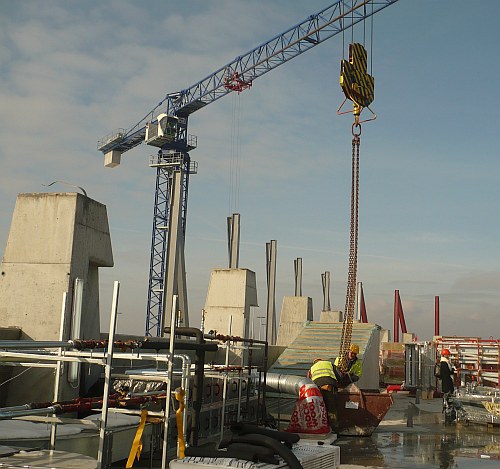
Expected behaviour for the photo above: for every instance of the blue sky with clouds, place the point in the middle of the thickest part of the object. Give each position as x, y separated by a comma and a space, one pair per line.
72, 71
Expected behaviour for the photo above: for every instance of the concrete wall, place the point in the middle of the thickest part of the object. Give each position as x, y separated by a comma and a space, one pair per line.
371, 372
54, 238
231, 293
295, 311
331, 316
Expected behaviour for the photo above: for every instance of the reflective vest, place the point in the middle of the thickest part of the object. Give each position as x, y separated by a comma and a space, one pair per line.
355, 369
321, 369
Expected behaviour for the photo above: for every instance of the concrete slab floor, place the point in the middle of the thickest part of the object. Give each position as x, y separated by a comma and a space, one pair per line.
414, 436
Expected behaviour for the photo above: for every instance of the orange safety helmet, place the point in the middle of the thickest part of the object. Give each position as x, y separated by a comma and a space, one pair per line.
445, 352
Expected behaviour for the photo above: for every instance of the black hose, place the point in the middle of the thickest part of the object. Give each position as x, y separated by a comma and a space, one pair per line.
244, 429
263, 440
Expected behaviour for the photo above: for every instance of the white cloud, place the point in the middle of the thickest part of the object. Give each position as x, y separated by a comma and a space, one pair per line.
73, 71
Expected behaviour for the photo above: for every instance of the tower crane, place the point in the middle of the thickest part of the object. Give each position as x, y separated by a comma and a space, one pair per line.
165, 127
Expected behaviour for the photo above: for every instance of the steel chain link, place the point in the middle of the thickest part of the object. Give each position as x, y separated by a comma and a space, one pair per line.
353, 259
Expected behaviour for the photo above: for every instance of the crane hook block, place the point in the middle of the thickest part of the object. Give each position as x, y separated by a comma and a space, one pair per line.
357, 85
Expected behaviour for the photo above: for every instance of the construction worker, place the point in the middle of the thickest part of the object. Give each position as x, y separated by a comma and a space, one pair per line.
447, 372
323, 376
354, 368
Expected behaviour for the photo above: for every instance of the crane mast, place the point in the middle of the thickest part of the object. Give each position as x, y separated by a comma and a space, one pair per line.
165, 127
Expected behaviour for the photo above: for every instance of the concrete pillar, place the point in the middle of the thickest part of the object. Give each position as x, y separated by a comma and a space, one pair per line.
231, 293
271, 253
296, 310
54, 238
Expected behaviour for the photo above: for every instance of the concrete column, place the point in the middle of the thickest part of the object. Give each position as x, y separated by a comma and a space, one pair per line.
231, 293
296, 310
54, 238
271, 252
233, 240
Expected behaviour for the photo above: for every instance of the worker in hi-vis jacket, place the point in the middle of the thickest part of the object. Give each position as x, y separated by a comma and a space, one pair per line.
354, 368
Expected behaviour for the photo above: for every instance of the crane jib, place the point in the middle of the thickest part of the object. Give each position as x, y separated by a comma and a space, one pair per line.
314, 30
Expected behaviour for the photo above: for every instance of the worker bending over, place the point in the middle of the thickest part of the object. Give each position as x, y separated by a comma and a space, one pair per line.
328, 377
322, 374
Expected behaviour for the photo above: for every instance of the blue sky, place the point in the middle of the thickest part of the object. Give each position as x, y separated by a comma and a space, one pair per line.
72, 71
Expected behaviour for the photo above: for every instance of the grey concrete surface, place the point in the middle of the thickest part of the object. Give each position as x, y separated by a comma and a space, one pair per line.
413, 435
295, 311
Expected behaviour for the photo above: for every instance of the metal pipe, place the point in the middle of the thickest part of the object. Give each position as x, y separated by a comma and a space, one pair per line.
15, 408
200, 347
173, 328
97, 358
50, 357
29, 344
59, 369
107, 378
288, 384
74, 369
21, 413
224, 390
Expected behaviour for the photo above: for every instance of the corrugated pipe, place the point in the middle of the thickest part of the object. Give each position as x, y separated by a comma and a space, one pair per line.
288, 384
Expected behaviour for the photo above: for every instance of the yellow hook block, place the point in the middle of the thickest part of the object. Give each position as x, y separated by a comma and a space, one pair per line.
357, 85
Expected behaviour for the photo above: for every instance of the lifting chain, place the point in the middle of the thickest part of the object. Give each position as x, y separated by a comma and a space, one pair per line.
353, 253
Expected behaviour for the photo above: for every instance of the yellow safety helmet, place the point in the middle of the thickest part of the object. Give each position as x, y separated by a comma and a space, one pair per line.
354, 348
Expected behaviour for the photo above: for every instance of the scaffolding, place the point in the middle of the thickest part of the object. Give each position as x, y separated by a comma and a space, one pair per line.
477, 360
141, 375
